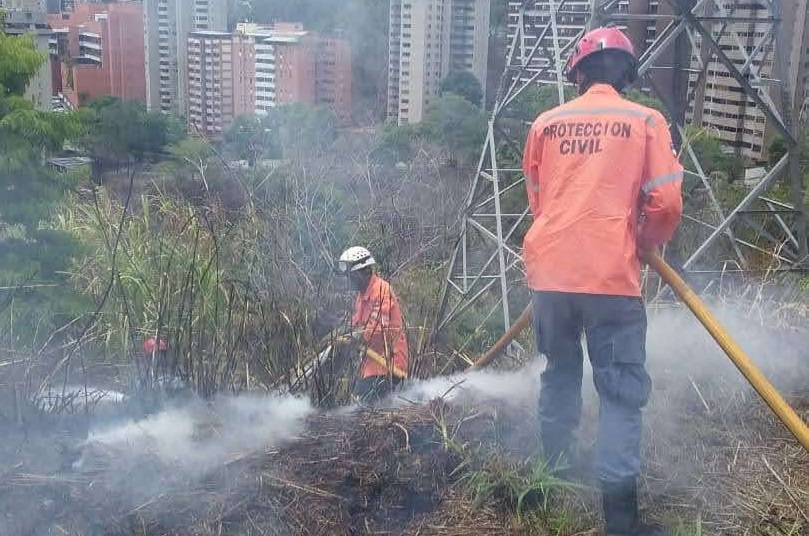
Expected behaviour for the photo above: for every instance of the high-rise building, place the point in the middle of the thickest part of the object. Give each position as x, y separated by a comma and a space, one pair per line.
34, 6
294, 70
99, 48
333, 75
719, 103
428, 40
270, 42
295, 65
168, 24
221, 81
34, 23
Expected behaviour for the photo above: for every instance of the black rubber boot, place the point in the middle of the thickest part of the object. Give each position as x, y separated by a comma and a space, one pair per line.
620, 501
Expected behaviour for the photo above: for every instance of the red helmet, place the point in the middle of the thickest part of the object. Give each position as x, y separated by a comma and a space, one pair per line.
596, 41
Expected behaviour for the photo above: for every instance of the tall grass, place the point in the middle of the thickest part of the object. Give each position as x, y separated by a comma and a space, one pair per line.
194, 277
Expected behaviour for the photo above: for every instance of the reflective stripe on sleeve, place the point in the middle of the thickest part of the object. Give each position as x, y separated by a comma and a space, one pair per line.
663, 179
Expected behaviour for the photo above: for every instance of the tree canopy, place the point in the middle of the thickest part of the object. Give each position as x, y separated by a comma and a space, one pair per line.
455, 124
33, 253
19, 62
116, 130
248, 139
464, 84
535, 100
298, 128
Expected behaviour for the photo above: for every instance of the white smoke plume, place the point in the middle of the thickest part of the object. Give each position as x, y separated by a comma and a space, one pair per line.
195, 437
517, 387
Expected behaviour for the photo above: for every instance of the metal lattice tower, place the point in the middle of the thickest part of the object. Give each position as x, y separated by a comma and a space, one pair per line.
698, 45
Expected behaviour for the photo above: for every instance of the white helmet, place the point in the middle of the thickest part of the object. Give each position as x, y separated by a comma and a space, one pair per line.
355, 258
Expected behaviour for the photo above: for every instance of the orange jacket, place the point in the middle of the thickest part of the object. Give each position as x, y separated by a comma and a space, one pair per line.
602, 178
377, 313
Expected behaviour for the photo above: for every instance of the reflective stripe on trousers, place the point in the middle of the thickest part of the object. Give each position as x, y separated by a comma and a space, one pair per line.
615, 329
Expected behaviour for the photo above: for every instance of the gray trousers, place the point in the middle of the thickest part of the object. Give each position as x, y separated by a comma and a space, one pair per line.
615, 330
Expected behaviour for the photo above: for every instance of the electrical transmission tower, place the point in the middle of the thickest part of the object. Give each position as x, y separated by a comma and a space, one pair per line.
735, 66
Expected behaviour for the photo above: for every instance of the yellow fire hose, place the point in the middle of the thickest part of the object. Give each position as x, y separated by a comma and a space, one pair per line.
759, 382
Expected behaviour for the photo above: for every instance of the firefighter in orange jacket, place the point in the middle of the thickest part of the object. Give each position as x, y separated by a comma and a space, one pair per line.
603, 182
376, 323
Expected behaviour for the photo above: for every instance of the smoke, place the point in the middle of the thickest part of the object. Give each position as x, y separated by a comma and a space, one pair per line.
517, 387
198, 436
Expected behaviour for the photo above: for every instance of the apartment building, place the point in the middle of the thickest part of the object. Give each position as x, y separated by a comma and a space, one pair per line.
34, 23
295, 65
167, 25
269, 42
294, 69
99, 51
720, 104
35, 6
220, 81
333, 76
429, 39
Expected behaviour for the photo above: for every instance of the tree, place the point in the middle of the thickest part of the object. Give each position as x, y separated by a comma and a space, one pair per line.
455, 124
708, 150
19, 62
778, 148
395, 143
117, 130
190, 158
535, 100
464, 84
646, 99
300, 129
32, 252
248, 139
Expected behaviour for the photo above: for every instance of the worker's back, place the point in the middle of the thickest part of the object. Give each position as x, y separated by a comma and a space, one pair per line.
588, 162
